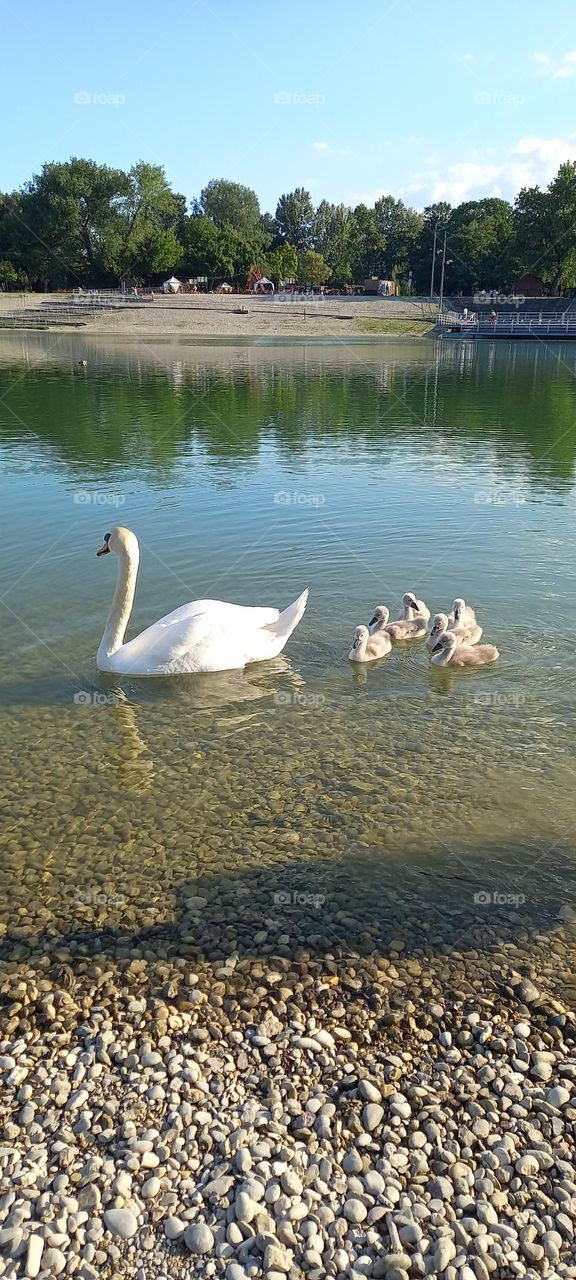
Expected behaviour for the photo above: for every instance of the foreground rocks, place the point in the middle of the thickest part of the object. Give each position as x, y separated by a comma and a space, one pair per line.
338, 1117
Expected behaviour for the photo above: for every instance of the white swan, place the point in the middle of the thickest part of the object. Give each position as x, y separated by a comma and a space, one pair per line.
204, 635
448, 652
366, 647
466, 633
410, 627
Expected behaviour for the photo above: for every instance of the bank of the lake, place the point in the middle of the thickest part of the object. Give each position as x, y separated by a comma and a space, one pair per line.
239, 316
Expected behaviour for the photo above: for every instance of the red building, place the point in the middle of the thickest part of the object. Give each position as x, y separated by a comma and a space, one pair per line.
530, 286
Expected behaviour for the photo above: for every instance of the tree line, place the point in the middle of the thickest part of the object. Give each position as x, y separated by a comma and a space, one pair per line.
79, 223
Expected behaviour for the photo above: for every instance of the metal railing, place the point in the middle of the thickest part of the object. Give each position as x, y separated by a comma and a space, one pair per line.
527, 324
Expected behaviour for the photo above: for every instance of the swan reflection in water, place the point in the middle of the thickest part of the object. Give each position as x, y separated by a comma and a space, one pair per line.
132, 760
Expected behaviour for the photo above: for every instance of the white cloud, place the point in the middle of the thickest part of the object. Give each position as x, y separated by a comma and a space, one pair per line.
557, 68
536, 161
365, 197
465, 180
530, 162
320, 146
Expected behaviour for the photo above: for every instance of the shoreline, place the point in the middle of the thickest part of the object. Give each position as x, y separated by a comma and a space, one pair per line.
210, 316
287, 1102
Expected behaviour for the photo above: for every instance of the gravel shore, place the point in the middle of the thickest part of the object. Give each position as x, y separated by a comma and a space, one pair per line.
344, 1115
241, 316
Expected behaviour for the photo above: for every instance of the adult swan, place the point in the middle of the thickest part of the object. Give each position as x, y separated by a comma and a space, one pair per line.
205, 635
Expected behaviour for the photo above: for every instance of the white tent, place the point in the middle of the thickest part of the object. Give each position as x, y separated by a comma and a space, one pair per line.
172, 285
258, 283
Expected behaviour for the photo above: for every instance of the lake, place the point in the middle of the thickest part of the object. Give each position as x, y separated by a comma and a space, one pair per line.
303, 798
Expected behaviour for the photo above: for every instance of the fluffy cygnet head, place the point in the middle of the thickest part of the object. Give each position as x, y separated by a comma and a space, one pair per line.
361, 633
381, 616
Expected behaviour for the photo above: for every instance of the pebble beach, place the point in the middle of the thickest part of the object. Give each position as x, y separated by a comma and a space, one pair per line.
318, 1111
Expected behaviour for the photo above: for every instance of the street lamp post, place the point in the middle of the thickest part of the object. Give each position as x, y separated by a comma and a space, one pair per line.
433, 261
443, 269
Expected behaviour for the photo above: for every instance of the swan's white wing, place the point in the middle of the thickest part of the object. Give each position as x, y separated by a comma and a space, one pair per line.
252, 615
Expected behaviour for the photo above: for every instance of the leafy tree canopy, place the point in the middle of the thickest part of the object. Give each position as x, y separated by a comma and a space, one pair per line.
295, 218
312, 268
80, 222
230, 204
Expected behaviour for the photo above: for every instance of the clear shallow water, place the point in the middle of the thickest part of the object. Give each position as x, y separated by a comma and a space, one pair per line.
397, 793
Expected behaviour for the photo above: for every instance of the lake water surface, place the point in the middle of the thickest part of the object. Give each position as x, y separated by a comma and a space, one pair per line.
304, 790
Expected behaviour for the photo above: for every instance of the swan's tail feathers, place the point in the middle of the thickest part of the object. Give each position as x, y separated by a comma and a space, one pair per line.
289, 618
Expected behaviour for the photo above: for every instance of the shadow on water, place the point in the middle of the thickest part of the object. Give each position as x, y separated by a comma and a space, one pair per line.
368, 903
120, 873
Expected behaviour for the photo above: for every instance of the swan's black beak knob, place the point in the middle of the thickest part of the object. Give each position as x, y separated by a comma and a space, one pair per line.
104, 549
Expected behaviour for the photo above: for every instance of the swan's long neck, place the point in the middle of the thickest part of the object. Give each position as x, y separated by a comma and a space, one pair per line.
119, 615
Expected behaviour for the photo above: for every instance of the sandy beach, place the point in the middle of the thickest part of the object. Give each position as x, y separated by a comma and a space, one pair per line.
214, 316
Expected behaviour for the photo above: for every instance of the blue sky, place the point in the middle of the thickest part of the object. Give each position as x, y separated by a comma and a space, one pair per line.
427, 100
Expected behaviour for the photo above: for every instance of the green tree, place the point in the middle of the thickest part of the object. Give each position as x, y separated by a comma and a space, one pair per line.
437, 215
268, 233
200, 247
295, 218
282, 263
435, 219
230, 204
151, 216
544, 222
73, 218
367, 244
15, 246
8, 273
312, 268
235, 255
400, 228
332, 232
154, 250
479, 236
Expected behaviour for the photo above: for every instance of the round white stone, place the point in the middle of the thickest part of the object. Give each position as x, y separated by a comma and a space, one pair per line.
199, 1238
121, 1222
